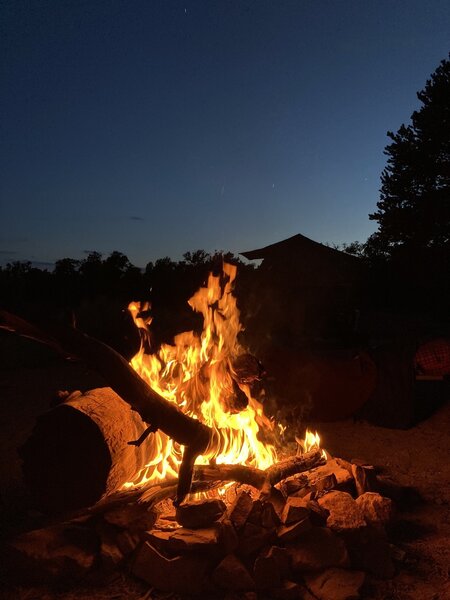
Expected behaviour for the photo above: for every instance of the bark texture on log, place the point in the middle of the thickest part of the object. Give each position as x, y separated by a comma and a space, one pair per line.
78, 450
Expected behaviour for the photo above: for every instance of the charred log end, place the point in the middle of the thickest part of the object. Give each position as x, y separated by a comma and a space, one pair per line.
66, 461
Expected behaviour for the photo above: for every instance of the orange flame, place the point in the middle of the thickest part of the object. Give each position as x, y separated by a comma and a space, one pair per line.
196, 373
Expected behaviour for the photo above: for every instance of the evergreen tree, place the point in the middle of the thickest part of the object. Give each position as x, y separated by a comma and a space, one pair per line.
414, 208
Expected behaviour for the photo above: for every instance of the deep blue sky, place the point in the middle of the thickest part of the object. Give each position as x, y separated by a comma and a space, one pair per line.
156, 127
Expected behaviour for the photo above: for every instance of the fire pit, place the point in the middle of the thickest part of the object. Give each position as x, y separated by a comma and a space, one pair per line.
197, 492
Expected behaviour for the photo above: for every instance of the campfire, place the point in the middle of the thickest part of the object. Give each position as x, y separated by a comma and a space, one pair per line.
208, 377
199, 492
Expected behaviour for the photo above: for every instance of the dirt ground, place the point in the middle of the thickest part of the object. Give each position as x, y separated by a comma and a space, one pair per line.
418, 458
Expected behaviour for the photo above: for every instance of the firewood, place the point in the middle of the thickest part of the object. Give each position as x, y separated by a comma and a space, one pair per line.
293, 465
207, 477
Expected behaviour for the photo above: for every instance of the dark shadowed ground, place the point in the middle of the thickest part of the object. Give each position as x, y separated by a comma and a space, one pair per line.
30, 376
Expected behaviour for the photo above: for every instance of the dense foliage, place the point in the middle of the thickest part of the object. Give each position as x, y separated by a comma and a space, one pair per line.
414, 208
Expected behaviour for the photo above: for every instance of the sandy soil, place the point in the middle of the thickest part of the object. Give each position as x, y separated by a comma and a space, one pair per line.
419, 457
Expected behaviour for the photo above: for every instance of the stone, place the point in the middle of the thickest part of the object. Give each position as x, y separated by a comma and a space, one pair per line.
296, 509
318, 548
65, 551
132, 517
290, 590
344, 479
231, 574
127, 542
182, 574
240, 596
317, 515
110, 553
345, 514
282, 558
184, 540
240, 509
256, 513
198, 515
376, 509
288, 533
277, 500
227, 537
252, 539
269, 516
266, 573
336, 584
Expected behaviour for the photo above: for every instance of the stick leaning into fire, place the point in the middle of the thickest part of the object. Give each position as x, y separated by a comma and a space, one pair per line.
187, 394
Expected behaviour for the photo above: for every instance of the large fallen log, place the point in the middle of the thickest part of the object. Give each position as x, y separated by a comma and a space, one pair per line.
152, 408
78, 451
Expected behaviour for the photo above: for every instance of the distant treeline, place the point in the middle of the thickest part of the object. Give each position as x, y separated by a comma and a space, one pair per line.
95, 291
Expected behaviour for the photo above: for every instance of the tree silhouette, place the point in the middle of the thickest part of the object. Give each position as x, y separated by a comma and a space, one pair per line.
414, 208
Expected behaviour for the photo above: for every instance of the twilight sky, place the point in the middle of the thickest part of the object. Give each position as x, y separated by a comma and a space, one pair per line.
154, 127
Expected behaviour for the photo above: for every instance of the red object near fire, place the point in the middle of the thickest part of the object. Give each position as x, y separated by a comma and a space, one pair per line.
433, 358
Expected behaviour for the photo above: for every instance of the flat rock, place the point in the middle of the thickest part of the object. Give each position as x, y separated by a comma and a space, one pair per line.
198, 515
240, 509
288, 533
345, 514
376, 509
132, 517
183, 574
336, 584
282, 558
291, 590
252, 539
231, 574
64, 551
183, 540
296, 509
318, 548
